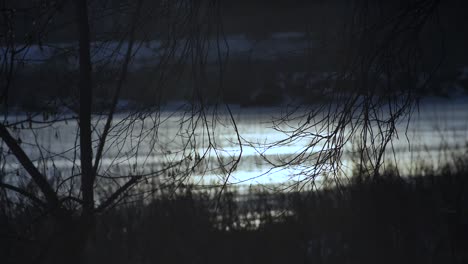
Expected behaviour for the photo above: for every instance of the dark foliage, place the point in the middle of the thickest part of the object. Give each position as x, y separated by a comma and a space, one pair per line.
372, 220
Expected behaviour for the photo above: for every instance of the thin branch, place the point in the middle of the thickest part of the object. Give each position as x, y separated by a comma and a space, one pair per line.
24, 193
120, 83
117, 193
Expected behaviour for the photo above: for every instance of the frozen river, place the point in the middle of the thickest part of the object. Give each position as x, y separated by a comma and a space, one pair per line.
146, 144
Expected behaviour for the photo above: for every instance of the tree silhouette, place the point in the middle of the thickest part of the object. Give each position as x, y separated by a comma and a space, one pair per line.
381, 72
106, 138
380, 76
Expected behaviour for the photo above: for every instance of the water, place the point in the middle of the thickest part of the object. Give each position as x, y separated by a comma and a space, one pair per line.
149, 53
146, 144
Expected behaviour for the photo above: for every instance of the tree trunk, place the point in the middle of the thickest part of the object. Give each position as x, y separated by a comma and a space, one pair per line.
77, 234
85, 86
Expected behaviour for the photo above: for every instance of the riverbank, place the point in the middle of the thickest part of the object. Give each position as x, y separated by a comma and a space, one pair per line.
384, 219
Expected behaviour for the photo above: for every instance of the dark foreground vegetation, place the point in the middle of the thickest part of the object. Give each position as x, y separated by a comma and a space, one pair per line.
383, 219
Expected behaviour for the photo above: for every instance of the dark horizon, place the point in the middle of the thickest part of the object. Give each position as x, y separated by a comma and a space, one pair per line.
284, 51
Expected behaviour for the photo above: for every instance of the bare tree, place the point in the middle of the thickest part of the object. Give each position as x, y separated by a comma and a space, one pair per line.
381, 72
113, 156
108, 162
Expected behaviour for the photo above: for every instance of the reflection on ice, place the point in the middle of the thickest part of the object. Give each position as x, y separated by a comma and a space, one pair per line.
440, 128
